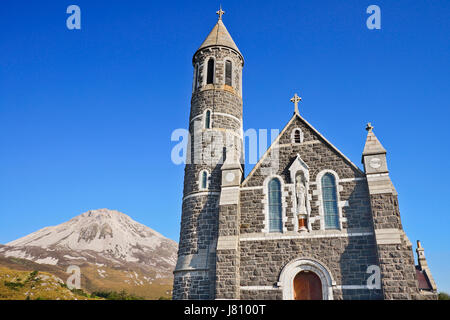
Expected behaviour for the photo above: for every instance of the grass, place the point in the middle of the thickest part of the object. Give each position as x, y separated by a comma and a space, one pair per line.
116, 280
34, 285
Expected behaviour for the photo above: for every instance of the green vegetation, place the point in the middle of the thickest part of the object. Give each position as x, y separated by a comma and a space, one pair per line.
13, 285
32, 276
34, 285
80, 292
113, 295
443, 296
42, 285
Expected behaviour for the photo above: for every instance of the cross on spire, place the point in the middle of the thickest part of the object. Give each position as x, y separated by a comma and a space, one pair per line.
220, 13
369, 127
296, 99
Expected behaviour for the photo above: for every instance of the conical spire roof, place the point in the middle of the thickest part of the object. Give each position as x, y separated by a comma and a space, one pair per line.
373, 145
219, 36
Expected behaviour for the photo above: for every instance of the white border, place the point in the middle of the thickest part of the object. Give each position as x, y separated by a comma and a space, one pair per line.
202, 193
330, 233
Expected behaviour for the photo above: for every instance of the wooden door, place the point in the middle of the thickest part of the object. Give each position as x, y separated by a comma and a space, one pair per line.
307, 286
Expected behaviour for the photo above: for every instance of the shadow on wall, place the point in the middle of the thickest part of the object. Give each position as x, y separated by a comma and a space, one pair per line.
360, 252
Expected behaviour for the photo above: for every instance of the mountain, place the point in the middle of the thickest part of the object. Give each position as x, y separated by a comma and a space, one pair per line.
113, 252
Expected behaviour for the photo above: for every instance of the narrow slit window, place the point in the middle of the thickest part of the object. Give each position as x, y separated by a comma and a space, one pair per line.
210, 75
197, 71
228, 73
208, 119
275, 210
204, 180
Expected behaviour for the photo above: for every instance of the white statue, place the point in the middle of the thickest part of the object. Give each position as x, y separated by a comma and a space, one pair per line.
300, 190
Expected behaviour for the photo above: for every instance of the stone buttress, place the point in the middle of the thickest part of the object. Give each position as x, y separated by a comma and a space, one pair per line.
394, 250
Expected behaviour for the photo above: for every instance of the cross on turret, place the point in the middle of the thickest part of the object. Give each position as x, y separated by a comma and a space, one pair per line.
220, 13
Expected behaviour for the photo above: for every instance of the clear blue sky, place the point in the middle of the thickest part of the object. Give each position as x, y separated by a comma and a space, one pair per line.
86, 116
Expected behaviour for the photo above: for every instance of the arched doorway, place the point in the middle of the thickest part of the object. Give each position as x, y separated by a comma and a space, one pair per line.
307, 286
303, 265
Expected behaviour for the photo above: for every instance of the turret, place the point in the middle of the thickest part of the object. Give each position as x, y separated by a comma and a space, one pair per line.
215, 127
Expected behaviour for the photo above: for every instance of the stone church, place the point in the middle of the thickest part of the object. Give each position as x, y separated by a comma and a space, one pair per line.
305, 223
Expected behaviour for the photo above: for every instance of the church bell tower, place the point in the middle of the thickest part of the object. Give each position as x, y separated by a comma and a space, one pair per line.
214, 159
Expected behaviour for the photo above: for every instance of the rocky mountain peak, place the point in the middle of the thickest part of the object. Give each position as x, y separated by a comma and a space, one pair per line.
109, 232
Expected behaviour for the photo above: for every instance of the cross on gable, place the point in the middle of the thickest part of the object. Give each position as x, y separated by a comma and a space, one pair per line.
296, 99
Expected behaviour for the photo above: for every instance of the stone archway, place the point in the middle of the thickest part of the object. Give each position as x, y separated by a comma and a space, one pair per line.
316, 268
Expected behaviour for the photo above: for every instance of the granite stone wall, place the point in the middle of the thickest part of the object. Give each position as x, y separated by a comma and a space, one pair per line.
198, 224
318, 155
314, 151
227, 274
347, 258
193, 285
398, 273
386, 212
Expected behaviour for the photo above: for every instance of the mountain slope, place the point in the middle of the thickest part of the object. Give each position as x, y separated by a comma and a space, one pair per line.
20, 285
113, 251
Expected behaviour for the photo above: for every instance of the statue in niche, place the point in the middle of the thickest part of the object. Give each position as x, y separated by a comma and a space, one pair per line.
301, 194
300, 190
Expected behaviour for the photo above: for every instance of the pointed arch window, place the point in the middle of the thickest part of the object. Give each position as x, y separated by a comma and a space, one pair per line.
210, 74
203, 180
329, 198
228, 72
208, 119
275, 210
